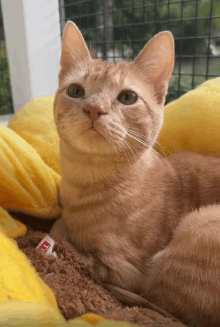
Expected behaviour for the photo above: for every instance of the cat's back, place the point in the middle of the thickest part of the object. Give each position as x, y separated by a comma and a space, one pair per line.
184, 276
198, 177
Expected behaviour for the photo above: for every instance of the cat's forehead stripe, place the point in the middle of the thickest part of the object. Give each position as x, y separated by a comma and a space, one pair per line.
107, 72
101, 72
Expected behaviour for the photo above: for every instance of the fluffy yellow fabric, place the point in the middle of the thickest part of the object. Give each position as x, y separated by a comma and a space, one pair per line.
34, 314
28, 184
9, 226
44, 315
29, 165
92, 318
35, 124
192, 121
18, 279
30, 179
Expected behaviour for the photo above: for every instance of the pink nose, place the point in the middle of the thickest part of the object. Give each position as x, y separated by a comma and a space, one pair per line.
94, 112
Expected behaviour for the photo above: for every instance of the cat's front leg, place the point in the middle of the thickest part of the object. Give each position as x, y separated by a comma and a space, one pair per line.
59, 232
184, 278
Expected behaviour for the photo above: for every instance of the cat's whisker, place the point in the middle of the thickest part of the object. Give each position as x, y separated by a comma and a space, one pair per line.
127, 145
163, 149
145, 138
139, 134
141, 138
116, 150
159, 156
137, 131
120, 144
141, 142
126, 151
134, 148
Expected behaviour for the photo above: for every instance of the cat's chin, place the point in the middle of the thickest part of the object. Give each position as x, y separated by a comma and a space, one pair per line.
93, 137
93, 132
92, 142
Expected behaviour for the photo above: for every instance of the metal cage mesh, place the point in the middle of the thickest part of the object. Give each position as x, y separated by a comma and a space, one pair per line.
118, 29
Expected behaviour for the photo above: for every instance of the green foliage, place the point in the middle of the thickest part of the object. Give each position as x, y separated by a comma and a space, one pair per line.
1, 19
75, 11
183, 19
134, 26
6, 105
173, 94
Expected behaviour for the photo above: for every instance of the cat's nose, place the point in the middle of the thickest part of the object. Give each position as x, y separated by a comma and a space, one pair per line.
94, 112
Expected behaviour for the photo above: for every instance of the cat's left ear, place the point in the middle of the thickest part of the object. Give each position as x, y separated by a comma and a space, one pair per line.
74, 48
156, 62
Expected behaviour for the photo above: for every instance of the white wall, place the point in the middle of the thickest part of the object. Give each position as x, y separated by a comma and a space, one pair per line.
32, 31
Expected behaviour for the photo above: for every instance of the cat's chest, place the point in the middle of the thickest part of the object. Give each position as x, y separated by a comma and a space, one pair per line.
115, 218
115, 258
120, 240
121, 228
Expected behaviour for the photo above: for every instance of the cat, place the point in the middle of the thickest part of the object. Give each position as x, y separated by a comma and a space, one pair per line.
147, 224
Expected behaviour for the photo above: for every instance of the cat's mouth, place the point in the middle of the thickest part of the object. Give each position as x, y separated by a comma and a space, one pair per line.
92, 129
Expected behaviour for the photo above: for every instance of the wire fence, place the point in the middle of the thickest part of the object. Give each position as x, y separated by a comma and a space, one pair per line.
118, 29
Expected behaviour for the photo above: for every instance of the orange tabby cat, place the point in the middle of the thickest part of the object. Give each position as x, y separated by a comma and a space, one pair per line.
124, 207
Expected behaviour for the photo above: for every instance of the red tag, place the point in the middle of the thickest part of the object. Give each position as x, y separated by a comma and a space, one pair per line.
45, 246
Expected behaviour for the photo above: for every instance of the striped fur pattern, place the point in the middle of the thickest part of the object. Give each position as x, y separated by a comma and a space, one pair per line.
135, 216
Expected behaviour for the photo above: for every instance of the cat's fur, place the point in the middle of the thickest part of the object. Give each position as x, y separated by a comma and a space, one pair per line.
124, 207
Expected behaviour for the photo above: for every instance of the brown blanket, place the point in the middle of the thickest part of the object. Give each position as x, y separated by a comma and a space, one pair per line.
70, 279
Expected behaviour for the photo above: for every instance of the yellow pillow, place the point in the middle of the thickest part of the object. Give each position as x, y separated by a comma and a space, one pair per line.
29, 161
18, 279
192, 122
35, 124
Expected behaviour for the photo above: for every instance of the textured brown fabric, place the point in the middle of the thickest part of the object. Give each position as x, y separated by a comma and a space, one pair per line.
70, 280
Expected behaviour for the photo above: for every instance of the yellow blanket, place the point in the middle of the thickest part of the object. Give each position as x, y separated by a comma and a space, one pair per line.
30, 179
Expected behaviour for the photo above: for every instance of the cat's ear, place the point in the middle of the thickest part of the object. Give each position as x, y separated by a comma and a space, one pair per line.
156, 61
74, 48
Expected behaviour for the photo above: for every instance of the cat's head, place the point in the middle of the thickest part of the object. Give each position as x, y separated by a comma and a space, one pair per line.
108, 108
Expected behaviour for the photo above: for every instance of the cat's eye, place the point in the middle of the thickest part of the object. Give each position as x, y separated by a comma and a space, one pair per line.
75, 91
127, 97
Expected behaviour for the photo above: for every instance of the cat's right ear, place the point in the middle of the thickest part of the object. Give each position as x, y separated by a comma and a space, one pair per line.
156, 62
74, 48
